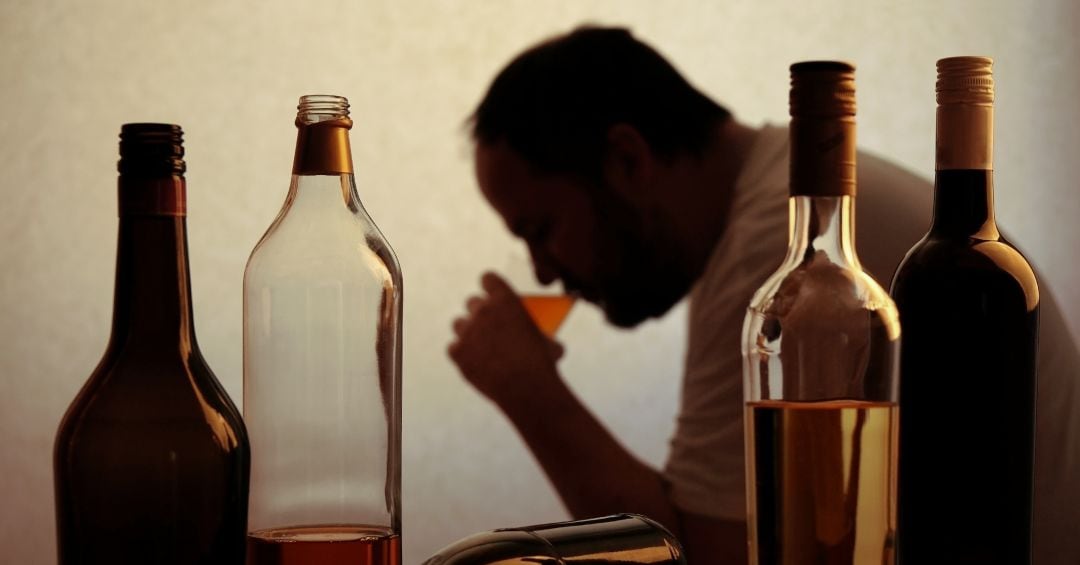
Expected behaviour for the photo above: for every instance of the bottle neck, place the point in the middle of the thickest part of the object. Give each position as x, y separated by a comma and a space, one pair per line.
152, 305
965, 136
322, 147
822, 187
964, 204
964, 184
823, 225
322, 165
822, 156
316, 195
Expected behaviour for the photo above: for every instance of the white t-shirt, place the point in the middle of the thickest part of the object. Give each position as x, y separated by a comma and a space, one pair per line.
893, 210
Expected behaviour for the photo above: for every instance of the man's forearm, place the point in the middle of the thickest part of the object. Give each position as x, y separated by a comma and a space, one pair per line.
592, 472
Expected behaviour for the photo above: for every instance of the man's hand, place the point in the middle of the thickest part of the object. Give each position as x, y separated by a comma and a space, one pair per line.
498, 348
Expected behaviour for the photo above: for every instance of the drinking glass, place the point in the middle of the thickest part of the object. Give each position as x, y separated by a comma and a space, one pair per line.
548, 306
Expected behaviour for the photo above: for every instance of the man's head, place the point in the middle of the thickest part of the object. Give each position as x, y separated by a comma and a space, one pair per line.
573, 138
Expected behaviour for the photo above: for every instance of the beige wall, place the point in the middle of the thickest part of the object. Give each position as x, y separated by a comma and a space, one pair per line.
230, 74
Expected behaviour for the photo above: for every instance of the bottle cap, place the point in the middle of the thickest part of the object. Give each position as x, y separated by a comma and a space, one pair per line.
965, 80
822, 134
965, 114
822, 89
151, 150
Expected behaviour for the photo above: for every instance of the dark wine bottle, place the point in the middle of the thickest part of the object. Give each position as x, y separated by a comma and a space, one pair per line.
151, 459
969, 303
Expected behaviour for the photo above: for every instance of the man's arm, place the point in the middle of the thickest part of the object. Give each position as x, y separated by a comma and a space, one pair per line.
592, 472
502, 354
595, 476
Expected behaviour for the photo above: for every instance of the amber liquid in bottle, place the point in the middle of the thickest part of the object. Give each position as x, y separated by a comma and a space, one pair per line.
151, 459
547, 311
827, 465
315, 545
970, 306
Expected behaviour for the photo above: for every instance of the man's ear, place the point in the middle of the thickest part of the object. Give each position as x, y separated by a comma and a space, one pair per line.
629, 162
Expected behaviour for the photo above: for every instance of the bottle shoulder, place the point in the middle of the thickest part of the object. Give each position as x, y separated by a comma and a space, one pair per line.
338, 226
818, 295
818, 278
965, 265
348, 251
133, 395
965, 252
820, 331
324, 230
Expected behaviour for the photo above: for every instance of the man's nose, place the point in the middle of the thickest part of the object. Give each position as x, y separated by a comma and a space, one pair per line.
542, 267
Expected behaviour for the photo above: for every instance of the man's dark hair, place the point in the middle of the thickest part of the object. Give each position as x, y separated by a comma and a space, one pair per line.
555, 103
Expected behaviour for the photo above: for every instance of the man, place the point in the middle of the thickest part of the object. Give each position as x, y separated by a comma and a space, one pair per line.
634, 189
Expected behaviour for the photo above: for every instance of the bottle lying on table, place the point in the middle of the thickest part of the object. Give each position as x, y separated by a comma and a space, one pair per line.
621, 538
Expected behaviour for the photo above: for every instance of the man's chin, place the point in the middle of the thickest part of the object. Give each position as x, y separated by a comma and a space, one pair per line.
629, 314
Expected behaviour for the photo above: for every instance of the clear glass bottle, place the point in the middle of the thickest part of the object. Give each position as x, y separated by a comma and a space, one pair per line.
621, 538
322, 365
820, 354
970, 305
151, 459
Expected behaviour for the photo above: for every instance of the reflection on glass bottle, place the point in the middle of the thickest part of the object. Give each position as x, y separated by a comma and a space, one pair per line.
622, 538
820, 351
322, 365
151, 459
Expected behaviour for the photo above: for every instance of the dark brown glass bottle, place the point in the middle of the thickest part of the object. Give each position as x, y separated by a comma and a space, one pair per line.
151, 459
621, 538
969, 303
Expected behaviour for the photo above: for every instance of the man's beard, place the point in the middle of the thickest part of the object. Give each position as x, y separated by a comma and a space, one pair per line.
646, 280
653, 291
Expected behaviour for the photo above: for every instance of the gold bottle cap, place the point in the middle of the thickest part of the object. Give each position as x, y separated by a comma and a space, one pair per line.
965, 113
965, 80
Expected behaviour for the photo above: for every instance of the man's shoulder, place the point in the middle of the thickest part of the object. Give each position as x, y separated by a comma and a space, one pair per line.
875, 169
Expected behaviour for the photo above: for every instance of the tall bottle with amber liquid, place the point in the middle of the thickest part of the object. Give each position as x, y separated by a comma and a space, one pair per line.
969, 302
151, 459
322, 365
820, 349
